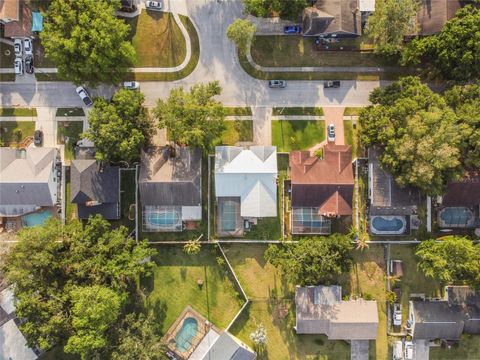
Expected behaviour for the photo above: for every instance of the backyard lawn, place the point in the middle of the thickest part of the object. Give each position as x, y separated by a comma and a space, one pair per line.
272, 304
175, 285
413, 280
14, 132
467, 349
315, 111
157, 40
290, 135
300, 51
237, 130
68, 133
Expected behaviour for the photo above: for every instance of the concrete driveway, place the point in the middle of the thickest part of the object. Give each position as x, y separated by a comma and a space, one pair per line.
334, 115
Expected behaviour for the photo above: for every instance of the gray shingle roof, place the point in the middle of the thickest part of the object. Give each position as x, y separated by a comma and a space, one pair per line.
91, 183
226, 348
437, 320
171, 181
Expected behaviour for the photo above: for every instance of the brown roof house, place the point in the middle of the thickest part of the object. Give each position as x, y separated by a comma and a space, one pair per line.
16, 17
321, 310
170, 184
320, 188
326, 17
433, 14
460, 205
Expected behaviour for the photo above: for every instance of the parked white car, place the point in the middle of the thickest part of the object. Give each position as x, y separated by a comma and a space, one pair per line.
131, 85
398, 350
82, 92
154, 5
27, 45
18, 46
331, 133
18, 66
408, 350
397, 314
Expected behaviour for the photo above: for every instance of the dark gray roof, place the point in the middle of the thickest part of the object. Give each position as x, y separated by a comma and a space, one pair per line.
226, 348
171, 181
387, 198
110, 211
90, 182
332, 16
437, 320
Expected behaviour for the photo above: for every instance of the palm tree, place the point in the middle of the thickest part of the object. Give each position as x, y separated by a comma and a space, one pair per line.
192, 247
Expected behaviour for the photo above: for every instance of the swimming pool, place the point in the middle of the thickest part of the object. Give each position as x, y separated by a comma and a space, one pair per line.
36, 218
163, 219
388, 225
184, 336
459, 217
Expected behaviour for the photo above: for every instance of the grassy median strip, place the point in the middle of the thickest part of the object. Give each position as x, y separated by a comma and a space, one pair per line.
74, 111
312, 111
238, 111
20, 112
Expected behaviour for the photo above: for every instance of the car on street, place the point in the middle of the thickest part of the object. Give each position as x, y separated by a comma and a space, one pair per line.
154, 5
18, 46
331, 132
408, 350
292, 29
397, 314
18, 66
82, 92
29, 64
277, 83
397, 350
38, 137
331, 84
131, 85
27, 45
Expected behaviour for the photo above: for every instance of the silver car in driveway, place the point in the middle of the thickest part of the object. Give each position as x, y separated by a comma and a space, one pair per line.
154, 5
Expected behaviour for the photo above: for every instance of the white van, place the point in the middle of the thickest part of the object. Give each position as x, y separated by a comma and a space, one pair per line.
398, 350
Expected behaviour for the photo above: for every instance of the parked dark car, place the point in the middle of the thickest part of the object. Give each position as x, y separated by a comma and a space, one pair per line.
277, 84
292, 29
38, 137
331, 84
29, 64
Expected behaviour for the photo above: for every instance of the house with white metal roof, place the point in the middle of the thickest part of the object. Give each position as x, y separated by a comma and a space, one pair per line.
245, 186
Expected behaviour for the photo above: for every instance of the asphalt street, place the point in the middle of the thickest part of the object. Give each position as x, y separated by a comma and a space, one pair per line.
218, 61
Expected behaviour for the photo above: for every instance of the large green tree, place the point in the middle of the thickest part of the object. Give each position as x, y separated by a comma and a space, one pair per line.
86, 41
120, 127
95, 309
52, 264
465, 100
140, 339
418, 133
241, 32
193, 118
454, 53
289, 9
451, 259
391, 21
312, 261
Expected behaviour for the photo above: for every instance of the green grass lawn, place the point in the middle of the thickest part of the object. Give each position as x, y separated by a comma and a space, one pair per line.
238, 111
68, 133
272, 304
352, 111
7, 56
297, 134
70, 208
299, 51
315, 111
14, 132
20, 112
74, 111
237, 130
157, 39
413, 280
175, 285
467, 349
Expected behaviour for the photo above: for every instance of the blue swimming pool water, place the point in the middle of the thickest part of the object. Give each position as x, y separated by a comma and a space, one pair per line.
163, 218
456, 215
36, 218
184, 337
382, 224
